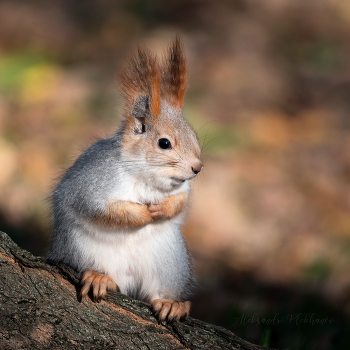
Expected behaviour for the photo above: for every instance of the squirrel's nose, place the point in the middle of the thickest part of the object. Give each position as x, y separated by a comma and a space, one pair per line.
197, 167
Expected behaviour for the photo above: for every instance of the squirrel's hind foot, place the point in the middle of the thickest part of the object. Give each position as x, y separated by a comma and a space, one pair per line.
171, 310
98, 283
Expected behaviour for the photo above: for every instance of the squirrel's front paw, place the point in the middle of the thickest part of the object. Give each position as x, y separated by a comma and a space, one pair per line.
99, 284
171, 310
169, 208
138, 214
162, 210
156, 211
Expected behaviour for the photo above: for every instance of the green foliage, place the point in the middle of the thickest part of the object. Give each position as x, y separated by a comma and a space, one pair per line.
318, 270
265, 339
13, 70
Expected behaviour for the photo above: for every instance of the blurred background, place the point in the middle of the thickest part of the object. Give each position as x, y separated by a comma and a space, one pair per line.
269, 95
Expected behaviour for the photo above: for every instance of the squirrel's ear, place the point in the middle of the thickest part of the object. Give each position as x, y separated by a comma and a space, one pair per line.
140, 84
140, 112
174, 75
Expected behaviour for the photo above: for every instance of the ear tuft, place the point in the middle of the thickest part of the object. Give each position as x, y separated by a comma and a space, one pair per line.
141, 77
174, 75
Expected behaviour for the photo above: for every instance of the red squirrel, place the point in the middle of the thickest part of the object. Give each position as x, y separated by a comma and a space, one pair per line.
118, 210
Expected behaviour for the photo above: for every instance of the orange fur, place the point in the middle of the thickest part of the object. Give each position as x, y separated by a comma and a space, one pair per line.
174, 75
124, 214
170, 207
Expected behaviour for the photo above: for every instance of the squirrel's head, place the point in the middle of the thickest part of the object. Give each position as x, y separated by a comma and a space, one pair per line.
156, 138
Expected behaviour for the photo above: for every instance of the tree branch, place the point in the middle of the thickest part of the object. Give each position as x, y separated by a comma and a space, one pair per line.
39, 309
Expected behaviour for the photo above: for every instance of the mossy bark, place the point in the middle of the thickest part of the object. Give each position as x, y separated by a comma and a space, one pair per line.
39, 310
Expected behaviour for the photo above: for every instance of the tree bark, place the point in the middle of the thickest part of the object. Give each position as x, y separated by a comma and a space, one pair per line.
39, 309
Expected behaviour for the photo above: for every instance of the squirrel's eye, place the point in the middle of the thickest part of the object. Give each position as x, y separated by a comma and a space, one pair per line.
164, 143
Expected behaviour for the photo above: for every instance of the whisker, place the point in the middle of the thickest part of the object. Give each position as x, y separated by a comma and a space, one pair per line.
208, 143
205, 137
210, 121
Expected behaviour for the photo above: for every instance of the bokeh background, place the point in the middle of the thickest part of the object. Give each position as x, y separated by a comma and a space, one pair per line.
269, 95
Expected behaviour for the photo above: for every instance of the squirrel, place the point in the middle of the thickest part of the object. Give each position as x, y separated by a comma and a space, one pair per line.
119, 208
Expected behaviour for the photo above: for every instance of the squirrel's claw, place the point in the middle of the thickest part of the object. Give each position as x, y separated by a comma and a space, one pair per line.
171, 310
99, 283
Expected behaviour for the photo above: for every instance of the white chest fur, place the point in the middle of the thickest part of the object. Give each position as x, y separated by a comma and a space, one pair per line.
133, 257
